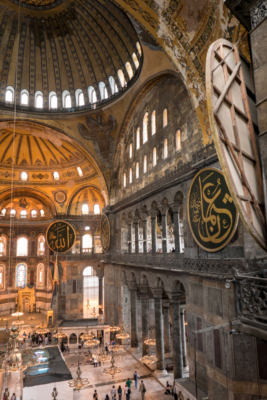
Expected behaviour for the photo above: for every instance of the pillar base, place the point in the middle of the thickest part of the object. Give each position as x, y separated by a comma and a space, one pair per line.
161, 373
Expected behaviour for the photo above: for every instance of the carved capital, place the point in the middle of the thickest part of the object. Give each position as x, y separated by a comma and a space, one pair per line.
132, 285
153, 213
157, 292
129, 221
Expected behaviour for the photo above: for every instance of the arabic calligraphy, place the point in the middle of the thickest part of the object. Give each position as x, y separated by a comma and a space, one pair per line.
60, 236
105, 233
212, 214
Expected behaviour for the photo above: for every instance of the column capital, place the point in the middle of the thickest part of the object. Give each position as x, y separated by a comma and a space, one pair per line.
175, 297
157, 292
143, 289
136, 220
132, 285
153, 213
129, 221
176, 207
166, 303
164, 209
144, 216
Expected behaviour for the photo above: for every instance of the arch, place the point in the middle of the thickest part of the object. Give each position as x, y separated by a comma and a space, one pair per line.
21, 275
79, 97
137, 138
52, 98
41, 245
9, 94
24, 97
121, 78
135, 60
92, 94
66, 99
165, 117
23, 214
145, 124
158, 283
97, 209
76, 200
33, 213
40, 275
112, 84
139, 48
178, 140
154, 205
3, 245
2, 277
22, 246
153, 123
103, 91
165, 201
85, 209
129, 69
154, 157
24, 176
56, 176
88, 271
178, 197
130, 150
145, 164
39, 99
73, 339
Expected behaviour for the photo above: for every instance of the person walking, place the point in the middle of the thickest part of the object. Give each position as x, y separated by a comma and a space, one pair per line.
107, 397
99, 360
13, 397
136, 376
142, 390
113, 392
46, 340
95, 361
128, 383
119, 392
126, 390
95, 395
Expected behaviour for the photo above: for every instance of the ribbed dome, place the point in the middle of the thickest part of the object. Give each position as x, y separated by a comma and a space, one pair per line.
72, 49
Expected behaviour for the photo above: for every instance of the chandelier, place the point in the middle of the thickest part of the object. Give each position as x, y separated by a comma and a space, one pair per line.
113, 328
79, 383
17, 314
123, 335
87, 335
91, 343
148, 359
60, 335
94, 314
150, 342
116, 348
41, 330
104, 357
18, 321
112, 370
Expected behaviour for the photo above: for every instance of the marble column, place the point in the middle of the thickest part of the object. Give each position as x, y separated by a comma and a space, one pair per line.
145, 319
159, 329
136, 232
100, 294
177, 338
130, 236
176, 216
166, 325
154, 231
144, 220
183, 338
93, 244
164, 211
134, 326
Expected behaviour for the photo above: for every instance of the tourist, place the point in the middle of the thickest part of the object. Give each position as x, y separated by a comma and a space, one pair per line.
113, 392
95, 396
95, 360
168, 388
136, 376
107, 348
46, 340
126, 391
173, 250
49, 337
119, 392
99, 360
13, 397
128, 383
142, 389
107, 397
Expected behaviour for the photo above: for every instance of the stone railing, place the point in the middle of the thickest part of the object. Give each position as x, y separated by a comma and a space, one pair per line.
205, 153
171, 262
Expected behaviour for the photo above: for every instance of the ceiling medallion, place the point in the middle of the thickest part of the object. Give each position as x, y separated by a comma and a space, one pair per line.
60, 197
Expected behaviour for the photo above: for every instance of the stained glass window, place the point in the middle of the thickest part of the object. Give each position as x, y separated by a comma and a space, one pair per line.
21, 275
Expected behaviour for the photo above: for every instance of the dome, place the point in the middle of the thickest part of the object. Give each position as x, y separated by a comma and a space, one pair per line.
90, 197
71, 55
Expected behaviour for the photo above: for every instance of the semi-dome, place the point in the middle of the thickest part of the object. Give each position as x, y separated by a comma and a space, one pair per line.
65, 55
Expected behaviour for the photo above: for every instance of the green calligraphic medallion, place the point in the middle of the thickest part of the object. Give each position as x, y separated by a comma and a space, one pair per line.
60, 236
212, 214
105, 233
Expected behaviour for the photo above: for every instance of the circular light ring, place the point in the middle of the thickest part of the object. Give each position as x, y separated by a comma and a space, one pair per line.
150, 342
116, 347
122, 336
17, 314
113, 329
18, 322
148, 359
87, 336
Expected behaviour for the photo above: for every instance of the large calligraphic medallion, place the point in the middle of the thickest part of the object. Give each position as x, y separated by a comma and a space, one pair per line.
60, 236
105, 233
212, 214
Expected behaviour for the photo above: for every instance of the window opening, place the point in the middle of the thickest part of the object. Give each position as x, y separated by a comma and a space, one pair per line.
138, 139
165, 118
154, 157
85, 209
137, 170
130, 175
153, 123
145, 164
22, 247
145, 122
135, 60
96, 209
80, 172
178, 140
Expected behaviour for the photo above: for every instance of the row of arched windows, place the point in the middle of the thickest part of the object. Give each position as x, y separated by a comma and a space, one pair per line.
79, 95
23, 213
24, 176
85, 209
154, 158
22, 246
21, 276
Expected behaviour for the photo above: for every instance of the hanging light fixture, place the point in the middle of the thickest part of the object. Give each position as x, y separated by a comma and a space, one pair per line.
60, 335
148, 359
41, 330
104, 357
150, 342
113, 328
94, 314
79, 383
17, 314
87, 335
91, 343
112, 370
116, 348
122, 335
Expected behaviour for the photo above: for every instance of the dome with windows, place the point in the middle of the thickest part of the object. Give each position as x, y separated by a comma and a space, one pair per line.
75, 56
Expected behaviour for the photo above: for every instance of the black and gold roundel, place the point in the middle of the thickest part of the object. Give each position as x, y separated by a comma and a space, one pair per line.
105, 233
212, 214
60, 236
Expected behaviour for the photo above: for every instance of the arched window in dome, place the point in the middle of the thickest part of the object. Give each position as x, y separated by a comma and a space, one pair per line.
42, 213
79, 98
112, 84
124, 179
153, 123
130, 150
56, 176
139, 48
165, 148
85, 209
178, 140
96, 209
23, 214
24, 97
21, 275
130, 175
41, 245
22, 247
3, 212
129, 69
138, 138
137, 170
145, 164
34, 214
2, 246
52, 100
154, 157
165, 118
145, 123
103, 91
87, 243
66, 99
9, 95
80, 172
135, 60
24, 176
92, 94
39, 99
121, 78
12, 213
